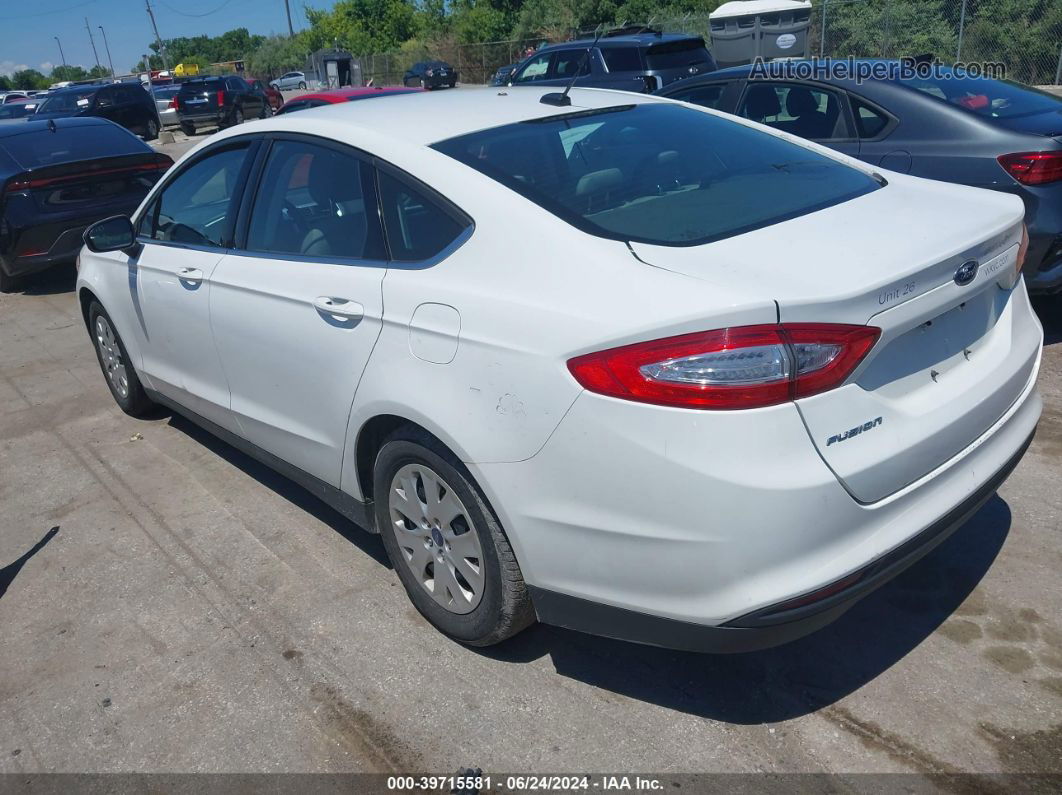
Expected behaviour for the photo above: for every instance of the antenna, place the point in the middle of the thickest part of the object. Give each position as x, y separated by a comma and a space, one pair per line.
562, 100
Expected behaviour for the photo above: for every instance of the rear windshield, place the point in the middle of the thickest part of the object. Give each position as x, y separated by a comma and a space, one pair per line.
42, 147
658, 173
67, 102
166, 91
676, 54
994, 99
203, 85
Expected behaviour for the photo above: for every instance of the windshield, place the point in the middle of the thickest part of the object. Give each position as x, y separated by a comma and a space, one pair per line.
658, 173
67, 102
15, 110
994, 99
676, 54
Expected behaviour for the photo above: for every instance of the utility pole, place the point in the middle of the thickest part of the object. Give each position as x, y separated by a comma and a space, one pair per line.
92, 42
287, 7
158, 38
61, 56
108, 48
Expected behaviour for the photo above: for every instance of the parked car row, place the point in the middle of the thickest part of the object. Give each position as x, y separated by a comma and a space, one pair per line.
631, 367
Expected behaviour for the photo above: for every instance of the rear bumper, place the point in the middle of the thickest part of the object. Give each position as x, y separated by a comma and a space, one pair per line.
62, 250
772, 625
206, 119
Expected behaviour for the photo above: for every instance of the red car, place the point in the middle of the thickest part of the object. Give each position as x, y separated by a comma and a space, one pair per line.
273, 96
337, 95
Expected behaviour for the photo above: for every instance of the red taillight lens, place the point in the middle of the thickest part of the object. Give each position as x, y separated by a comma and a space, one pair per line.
221, 98
173, 104
1033, 168
735, 368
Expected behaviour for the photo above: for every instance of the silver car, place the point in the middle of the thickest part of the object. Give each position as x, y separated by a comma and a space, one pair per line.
290, 80
167, 108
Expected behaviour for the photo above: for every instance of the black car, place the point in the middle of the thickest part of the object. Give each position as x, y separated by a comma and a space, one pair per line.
942, 125
57, 177
127, 104
503, 74
430, 74
218, 102
640, 62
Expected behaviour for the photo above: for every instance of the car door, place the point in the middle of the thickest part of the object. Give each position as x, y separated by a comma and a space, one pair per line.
250, 102
809, 110
297, 309
185, 230
106, 105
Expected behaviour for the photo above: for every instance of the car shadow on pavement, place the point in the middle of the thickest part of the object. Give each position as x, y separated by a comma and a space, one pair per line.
792, 680
60, 279
369, 543
1049, 310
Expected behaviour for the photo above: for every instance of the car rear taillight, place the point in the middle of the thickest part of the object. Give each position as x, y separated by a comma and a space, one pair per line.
734, 368
1033, 168
221, 98
27, 181
173, 104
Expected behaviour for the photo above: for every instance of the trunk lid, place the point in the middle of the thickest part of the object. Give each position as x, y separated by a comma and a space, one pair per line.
951, 358
199, 96
76, 186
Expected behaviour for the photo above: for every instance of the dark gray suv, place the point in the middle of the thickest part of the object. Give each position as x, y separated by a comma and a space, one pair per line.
642, 62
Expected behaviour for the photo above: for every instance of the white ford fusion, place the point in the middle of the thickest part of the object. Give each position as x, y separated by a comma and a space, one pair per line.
625, 366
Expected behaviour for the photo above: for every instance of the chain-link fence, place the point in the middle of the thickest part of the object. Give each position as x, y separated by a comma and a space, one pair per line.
1024, 35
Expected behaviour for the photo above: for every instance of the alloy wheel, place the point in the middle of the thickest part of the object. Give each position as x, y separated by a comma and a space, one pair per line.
111, 357
435, 534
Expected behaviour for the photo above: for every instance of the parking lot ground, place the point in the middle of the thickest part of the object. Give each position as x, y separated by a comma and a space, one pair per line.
169, 605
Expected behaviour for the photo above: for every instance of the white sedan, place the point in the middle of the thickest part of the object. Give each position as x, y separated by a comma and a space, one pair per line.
626, 366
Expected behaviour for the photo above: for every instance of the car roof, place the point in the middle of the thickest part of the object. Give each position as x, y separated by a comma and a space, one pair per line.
423, 118
34, 126
628, 40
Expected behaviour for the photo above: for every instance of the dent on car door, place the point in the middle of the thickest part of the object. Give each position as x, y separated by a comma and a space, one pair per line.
185, 230
297, 309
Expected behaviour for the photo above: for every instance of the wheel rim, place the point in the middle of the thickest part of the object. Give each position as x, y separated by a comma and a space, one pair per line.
436, 537
111, 357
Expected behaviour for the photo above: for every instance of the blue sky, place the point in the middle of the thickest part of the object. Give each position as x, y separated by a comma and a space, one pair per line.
27, 27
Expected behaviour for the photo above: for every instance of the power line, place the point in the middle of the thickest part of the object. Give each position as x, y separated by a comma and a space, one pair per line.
158, 38
53, 11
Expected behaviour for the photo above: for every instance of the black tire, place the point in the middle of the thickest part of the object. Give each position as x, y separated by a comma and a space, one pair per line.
9, 283
151, 130
266, 111
505, 607
302, 86
136, 403
187, 128
274, 86
237, 116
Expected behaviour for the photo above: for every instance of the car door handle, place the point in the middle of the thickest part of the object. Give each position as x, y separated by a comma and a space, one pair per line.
340, 307
190, 275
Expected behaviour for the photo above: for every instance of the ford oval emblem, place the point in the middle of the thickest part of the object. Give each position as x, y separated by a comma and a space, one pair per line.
966, 273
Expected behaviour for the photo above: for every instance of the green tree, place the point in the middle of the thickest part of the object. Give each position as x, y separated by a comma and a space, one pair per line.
277, 55
29, 79
365, 26
68, 72
5, 83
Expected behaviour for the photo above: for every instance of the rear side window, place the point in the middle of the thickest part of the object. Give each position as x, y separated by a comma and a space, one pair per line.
70, 144
677, 54
708, 96
658, 173
801, 110
622, 59
195, 207
567, 62
417, 227
870, 122
312, 201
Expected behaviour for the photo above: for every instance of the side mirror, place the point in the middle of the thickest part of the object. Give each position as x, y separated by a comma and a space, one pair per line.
111, 234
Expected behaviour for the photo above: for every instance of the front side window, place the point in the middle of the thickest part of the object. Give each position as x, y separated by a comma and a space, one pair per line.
312, 201
195, 207
707, 96
658, 172
536, 69
417, 227
801, 110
